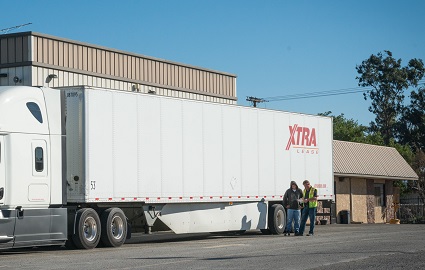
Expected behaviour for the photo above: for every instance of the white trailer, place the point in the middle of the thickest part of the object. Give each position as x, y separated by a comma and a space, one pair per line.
87, 165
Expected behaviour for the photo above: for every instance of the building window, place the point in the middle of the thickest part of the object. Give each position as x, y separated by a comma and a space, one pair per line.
379, 195
39, 159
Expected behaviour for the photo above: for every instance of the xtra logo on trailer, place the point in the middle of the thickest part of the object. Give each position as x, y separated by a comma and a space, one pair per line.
303, 139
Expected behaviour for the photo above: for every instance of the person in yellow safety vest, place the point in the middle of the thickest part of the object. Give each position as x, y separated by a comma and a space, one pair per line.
310, 208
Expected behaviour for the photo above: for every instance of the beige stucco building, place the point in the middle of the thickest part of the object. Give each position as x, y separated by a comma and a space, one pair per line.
364, 176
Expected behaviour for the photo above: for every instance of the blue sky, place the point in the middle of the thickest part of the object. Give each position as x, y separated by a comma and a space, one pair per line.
275, 48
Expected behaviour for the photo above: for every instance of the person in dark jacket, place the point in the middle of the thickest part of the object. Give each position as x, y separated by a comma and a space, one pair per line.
291, 200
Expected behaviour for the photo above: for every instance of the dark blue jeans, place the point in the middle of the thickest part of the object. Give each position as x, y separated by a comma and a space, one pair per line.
308, 213
295, 216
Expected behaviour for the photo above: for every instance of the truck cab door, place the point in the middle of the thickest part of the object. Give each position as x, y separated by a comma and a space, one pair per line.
33, 224
7, 216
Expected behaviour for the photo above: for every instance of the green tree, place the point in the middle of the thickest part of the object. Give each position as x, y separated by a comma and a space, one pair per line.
411, 130
346, 129
351, 131
411, 127
418, 165
388, 80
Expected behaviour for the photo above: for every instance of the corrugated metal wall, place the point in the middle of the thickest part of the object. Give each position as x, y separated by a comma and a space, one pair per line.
77, 63
15, 58
14, 49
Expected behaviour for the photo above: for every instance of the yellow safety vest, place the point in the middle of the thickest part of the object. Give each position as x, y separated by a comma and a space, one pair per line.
311, 204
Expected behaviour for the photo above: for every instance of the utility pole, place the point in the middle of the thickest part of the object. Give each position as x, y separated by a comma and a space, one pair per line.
255, 100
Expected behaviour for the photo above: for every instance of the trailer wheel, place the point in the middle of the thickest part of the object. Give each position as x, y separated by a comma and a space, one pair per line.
277, 219
114, 227
87, 230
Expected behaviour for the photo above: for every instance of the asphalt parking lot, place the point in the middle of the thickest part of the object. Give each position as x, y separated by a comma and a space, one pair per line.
353, 246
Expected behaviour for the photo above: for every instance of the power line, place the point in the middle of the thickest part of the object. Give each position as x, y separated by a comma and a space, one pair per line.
6, 30
326, 93
319, 94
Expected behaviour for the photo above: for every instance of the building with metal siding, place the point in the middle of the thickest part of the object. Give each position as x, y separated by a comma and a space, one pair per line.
28, 58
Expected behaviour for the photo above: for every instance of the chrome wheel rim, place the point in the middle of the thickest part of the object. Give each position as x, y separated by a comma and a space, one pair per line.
279, 219
90, 229
117, 227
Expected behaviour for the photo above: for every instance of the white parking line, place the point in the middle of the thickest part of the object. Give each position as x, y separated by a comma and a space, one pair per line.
230, 245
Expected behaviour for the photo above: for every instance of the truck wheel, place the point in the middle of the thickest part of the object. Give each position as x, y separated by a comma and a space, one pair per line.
87, 230
277, 219
114, 227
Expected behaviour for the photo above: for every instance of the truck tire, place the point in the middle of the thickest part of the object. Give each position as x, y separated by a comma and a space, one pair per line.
277, 219
87, 229
114, 227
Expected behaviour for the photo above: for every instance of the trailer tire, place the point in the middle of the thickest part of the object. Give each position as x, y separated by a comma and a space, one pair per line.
87, 229
277, 219
114, 227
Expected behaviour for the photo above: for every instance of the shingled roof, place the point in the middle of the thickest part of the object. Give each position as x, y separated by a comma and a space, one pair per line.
370, 161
